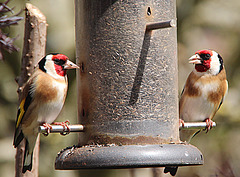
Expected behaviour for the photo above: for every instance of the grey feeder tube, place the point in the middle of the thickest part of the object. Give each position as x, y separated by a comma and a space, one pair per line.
127, 87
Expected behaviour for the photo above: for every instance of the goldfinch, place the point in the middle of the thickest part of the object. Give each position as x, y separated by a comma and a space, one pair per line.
204, 90
41, 102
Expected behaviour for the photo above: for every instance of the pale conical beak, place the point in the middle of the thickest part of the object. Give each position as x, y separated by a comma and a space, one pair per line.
195, 59
70, 65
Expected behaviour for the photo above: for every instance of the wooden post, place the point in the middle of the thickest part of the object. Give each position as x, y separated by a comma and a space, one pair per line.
33, 50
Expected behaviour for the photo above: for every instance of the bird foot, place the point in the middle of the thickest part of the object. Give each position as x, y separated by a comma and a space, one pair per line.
181, 122
209, 125
65, 127
48, 128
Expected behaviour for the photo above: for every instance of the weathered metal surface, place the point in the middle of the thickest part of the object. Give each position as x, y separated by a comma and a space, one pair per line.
128, 81
127, 87
131, 156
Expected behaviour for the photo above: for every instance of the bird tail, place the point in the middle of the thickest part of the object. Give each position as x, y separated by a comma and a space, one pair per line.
27, 162
187, 135
171, 169
18, 137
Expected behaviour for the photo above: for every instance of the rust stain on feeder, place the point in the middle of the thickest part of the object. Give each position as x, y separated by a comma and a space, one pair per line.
143, 140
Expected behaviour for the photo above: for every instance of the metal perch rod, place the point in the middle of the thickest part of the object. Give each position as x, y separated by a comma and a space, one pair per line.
60, 128
159, 25
80, 128
195, 125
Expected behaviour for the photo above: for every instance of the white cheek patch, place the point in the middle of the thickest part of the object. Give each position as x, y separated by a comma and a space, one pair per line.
50, 69
215, 64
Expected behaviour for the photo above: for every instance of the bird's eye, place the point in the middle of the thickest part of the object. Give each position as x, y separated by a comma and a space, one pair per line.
207, 56
59, 62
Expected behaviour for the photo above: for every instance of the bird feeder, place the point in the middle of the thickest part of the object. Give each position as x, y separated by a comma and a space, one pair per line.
127, 87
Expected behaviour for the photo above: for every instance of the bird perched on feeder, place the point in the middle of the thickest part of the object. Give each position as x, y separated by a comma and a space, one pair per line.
204, 90
41, 101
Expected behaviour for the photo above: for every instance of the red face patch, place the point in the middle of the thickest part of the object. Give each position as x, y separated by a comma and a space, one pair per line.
59, 61
59, 70
204, 66
60, 57
205, 59
204, 52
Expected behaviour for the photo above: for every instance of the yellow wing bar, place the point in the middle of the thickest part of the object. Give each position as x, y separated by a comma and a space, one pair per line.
21, 113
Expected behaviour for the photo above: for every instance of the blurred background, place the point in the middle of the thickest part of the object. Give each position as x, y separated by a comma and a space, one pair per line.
202, 24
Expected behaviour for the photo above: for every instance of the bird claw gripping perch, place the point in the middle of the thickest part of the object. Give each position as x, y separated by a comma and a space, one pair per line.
48, 128
181, 123
209, 125
65, 127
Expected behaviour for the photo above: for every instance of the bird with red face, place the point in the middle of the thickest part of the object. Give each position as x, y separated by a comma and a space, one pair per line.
41, 101
204, 90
